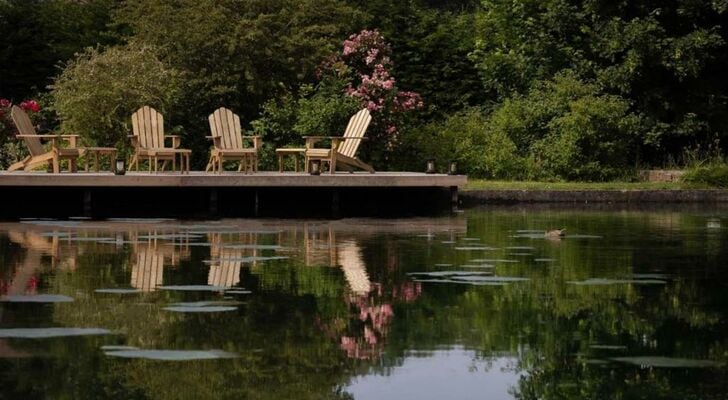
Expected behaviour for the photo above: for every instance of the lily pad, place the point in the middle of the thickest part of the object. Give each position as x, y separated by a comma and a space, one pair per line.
42, 333
484, 266
666, 362
492, 260
201, 304
198, 309
544, 259
172, 355
193, 288
608, 347
253, 246
475, 248
521, 248
443, 265
117, 347
480, 278
238, 291
460, 282
602, 281
118, 290
38, 298
246, 259
448, 273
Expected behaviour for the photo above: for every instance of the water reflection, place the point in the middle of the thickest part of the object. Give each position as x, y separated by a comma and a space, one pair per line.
625, 305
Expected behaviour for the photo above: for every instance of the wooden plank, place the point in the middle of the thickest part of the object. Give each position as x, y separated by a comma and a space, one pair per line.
231, 179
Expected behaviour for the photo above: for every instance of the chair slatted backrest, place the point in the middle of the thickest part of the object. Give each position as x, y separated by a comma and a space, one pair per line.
25, 127
357, 127
226, 124
148, 125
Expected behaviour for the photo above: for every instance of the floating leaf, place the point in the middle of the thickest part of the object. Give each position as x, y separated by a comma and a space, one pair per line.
666, 362
448, 273
118, 290
602, 281
197, 309
193, 288
38, 298
172, 355
42, 333
116, 347
607, 347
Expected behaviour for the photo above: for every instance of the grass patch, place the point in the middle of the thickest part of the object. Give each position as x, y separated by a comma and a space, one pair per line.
715, 175
481, 184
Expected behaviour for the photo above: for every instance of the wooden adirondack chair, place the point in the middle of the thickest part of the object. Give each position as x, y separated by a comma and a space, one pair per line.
229, 142
148, 140
38, 154
343, 149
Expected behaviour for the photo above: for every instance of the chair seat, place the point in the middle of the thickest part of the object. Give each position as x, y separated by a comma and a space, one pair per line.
318, 153
69, 152
235, 152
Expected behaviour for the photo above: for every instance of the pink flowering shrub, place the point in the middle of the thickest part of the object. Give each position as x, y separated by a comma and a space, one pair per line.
365, 59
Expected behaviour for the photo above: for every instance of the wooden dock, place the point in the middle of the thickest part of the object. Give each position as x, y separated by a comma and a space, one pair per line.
230, 194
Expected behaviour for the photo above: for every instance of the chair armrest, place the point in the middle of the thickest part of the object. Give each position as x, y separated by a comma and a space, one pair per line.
134, 140
257, 140
176, 142
215, 141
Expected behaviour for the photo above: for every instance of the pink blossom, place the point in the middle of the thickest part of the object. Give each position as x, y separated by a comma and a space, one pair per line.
5, 103
30, 105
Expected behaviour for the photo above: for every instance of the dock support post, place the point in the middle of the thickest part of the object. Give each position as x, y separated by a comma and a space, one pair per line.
454, 198
212, 205
256, 203
335, 203
87, 203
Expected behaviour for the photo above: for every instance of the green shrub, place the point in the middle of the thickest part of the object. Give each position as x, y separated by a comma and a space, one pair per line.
568, 129
465, 138
715, 174
98, 91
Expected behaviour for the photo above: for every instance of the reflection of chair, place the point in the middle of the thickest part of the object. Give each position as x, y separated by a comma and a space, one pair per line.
38, 154
148, 269
226, 260
319, 246
343, 148
228, 142
148, 141
353, 266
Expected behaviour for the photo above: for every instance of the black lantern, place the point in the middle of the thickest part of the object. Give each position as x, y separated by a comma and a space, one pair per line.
430, 166
120, 166
453, 169
315, 167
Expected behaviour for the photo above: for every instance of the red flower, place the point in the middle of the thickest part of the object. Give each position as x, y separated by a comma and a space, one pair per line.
30, 105
5, 103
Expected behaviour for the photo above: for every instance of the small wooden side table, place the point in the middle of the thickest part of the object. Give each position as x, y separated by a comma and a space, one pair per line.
295, 152
100, 151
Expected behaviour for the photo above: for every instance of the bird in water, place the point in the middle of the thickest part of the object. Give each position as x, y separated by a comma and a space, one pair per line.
556, 233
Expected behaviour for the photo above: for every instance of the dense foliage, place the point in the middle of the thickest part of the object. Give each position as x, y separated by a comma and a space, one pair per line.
556, 89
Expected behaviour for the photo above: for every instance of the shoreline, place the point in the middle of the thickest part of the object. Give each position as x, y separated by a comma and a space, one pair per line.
505, 196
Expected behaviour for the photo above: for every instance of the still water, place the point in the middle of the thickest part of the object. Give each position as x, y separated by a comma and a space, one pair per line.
479, 305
